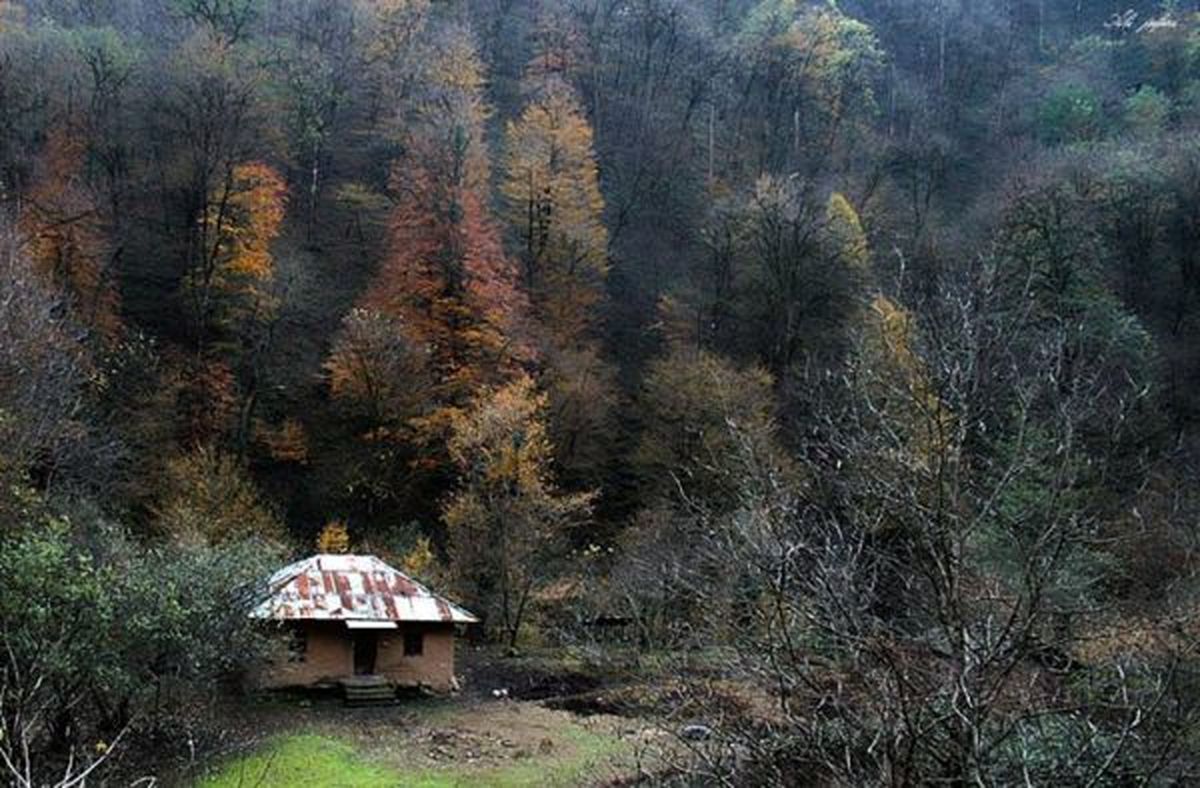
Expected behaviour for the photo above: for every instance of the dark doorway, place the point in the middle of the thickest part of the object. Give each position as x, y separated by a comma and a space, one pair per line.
366, 646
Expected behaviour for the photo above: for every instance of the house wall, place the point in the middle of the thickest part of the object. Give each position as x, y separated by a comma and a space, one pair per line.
434, 668
329, 656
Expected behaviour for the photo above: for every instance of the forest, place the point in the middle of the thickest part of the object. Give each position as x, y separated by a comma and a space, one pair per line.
833, 356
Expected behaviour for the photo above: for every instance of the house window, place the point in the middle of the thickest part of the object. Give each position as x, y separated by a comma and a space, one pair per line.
297, 645
414, 644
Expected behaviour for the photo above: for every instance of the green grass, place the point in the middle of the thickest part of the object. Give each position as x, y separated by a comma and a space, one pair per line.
303, 760
311, 760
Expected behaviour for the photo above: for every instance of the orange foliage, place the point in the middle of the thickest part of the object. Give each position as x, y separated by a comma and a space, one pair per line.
206, 398
67, 240
245, 222
378, 366
287, 443
447, 278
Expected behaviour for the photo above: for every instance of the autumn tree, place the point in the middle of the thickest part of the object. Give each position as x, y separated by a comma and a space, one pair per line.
798, 294
212, 184
443, 314
286, 443
446, 277
233, 292
45, 377
779, 279
507, 520
891, 373
949, 575
334, 538
394, 47
555, 209
378, 366
210, 499
244, 216
67, 235
582, 413
206, 397
688, 401
847, 237
808, 90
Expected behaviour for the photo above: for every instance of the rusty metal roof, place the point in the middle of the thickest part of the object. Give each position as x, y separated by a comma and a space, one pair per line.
352, 588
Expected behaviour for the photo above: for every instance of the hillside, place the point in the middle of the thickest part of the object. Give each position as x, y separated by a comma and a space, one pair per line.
821, 373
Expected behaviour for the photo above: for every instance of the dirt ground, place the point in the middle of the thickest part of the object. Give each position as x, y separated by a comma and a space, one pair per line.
494, 734
454, 741
532, 721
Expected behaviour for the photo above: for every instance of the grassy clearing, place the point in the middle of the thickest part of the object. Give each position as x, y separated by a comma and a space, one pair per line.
301, 760
504, 745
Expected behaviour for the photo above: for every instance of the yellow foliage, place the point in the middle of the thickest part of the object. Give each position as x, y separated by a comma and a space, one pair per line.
243, 217
507, 515
456, 119
418, 560
396, 25
890, 342
896, 334
334, 538
503, 438
845, 228
210, 498
552, 187
693, 405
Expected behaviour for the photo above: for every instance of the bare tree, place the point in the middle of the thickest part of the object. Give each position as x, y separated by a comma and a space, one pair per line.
916, 604
43, 377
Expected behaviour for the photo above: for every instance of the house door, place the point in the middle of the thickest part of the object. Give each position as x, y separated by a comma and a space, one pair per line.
366, 646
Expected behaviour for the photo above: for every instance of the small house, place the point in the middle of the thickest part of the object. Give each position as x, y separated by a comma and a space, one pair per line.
351, 616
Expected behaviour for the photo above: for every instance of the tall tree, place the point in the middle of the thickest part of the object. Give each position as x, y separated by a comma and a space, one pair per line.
555, 209
507, 521
67, 235
446, 275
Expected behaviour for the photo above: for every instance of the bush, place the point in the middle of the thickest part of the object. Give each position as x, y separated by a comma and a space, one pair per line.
1070, 113
102, 633
1147, 111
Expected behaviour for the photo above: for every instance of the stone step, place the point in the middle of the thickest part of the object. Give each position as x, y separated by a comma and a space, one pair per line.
370, 693
365, 704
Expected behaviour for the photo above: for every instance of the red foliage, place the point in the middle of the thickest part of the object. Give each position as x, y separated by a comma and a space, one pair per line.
67, 239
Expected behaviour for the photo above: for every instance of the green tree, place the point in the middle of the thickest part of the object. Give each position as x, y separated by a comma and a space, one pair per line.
689, 400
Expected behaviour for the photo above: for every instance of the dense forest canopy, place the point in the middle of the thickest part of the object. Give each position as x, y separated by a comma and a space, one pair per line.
857, 340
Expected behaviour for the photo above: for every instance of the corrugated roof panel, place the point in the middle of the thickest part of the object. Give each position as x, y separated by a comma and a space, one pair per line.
353, 588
